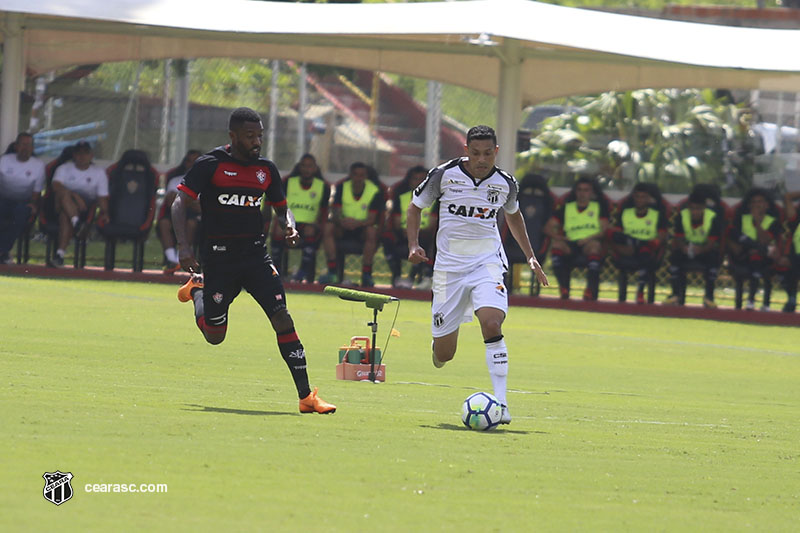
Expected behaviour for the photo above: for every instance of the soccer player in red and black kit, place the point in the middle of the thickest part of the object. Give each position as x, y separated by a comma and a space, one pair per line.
229, 183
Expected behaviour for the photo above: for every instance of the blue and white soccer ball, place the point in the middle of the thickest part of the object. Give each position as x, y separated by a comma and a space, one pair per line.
481, 411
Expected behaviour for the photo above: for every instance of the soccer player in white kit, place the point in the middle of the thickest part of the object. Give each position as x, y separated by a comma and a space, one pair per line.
470, 260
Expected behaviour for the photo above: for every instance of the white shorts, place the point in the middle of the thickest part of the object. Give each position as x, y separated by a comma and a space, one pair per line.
456, 296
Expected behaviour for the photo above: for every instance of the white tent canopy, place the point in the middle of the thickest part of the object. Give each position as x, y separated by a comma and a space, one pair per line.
523, 52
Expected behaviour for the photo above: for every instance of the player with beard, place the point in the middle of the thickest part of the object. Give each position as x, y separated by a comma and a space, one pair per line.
470, 260
229, 182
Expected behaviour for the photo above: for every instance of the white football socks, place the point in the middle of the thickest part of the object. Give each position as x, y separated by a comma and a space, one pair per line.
172, 255
497, 362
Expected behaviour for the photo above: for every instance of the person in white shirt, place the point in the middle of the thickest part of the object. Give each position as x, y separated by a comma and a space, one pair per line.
78, 185
470, 260
22, 178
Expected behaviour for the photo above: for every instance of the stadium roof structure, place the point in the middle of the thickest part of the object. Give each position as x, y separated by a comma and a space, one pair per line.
523, 52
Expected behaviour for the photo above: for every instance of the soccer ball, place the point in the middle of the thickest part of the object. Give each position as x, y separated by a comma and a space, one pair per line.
481, 411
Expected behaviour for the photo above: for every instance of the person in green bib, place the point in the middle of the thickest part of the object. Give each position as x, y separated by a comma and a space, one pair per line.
697, 234
638, 239
358, 205
577, 230
307, 196
395, 243
789, 264
754, 246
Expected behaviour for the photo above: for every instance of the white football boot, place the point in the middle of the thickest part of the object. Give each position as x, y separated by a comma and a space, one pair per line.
505, 417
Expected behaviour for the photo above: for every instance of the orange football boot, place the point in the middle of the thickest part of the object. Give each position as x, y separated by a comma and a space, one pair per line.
185, 292
314, 404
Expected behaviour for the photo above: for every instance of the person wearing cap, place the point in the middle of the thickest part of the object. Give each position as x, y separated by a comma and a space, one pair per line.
79, 185
22, 178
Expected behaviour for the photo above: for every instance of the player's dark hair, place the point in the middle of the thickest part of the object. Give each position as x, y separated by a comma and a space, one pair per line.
480, 133
744, 205
183, 168
758, 191
296, 170
81, 147
12, 146
416, 169
697, 197
357, 165
240, 115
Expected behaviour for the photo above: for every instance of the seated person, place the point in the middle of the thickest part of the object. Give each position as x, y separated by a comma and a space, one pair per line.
78, 185
754, 246
696, 238
537, 205
638, 238
164, 221
789, 263
396, 244
307, 196
22, 179
577, 232
358, 204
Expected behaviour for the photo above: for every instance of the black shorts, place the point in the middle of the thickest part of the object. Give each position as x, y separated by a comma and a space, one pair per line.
224, 278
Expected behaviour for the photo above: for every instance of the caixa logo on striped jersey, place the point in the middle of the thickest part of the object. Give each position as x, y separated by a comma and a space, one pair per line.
57, 487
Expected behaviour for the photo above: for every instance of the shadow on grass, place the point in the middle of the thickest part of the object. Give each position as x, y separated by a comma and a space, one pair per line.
456, 427
206, 409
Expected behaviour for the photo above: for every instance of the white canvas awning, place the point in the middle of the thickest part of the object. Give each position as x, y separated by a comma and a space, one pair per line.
522, 52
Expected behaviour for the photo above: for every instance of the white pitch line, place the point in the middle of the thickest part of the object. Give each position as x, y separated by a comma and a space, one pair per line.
638, 421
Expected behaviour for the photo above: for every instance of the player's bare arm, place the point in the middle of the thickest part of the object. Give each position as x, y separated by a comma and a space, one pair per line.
285, 219
516, 223
185, 252
788, 204
416, 254
102, 202
553, 229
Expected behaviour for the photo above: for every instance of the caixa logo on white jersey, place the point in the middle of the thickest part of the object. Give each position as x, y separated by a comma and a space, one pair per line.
241, 200
472, 211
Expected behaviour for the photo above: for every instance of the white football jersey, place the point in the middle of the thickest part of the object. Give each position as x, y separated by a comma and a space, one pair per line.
20, 179
91, 183
468, 235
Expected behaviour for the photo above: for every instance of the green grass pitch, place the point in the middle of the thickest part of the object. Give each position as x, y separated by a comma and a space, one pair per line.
620, 423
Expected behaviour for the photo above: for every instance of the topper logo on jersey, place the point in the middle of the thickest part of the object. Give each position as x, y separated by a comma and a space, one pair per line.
472, 211
241, 200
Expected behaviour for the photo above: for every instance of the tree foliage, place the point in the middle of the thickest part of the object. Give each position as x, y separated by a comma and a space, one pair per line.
673, 138
218, 82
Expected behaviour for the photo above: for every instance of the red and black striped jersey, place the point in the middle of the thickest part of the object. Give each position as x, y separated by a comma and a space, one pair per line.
231, 193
